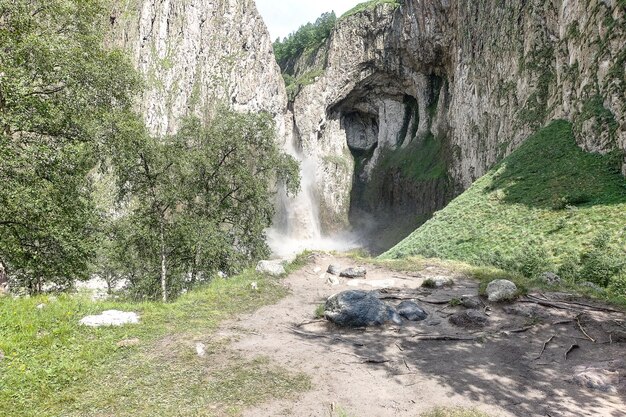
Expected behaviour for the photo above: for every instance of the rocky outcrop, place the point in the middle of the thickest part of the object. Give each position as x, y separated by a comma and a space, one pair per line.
418, 101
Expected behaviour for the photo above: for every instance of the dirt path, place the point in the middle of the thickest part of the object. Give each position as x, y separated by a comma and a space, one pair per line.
391, 372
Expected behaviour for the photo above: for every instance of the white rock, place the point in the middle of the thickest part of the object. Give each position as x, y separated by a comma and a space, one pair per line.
501, 290
274, 268
254, 286
40, 306
332, 280
201, 349
317, 270
111, 318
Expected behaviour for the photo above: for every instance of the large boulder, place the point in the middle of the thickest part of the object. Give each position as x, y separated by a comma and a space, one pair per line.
411, 311
359, 309
501, 290
358, 272
110, 318
273, 268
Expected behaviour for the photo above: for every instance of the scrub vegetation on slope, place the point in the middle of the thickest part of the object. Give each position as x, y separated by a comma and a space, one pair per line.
548, 205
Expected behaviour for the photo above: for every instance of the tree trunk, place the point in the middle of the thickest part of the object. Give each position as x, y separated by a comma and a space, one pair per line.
163, 262
4, 280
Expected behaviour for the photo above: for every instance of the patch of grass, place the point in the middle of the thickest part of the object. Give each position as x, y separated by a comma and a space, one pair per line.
510, 214
429, 283
454, 412
320, 310
54, 366
369, 5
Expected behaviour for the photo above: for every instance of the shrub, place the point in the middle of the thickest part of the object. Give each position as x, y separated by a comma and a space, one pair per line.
618, 285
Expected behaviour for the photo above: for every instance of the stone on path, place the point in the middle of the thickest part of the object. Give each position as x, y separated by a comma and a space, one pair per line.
358, 272
411, 311
273, 268
374, 283
334, 270
501, 290
110, 318
597, 379
359, 309
469, 319
332, 280
201, 349
471, 302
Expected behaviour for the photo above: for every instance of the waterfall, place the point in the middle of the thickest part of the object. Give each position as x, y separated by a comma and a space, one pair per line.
297, 226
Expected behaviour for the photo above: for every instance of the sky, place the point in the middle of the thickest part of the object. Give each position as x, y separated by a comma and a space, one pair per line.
283, 17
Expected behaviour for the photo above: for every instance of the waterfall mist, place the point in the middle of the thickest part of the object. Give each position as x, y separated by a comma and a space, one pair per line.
297, 223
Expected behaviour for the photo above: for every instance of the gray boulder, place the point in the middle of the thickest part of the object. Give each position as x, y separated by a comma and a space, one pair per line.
411, 311
273, 268
359, 309
501, 290
358, 272
550, 278
333, 270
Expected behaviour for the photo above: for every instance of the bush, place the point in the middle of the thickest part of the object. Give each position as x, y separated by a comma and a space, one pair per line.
533, 260
602, 262
618, 285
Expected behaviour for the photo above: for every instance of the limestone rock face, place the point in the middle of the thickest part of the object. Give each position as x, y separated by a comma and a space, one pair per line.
426, 97
198, 54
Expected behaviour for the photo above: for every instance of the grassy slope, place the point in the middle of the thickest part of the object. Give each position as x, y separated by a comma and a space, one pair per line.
547, 192
53, 366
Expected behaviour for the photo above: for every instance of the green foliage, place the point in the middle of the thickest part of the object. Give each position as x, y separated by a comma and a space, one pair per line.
198, 202
294, 85
307, 37
602, 262
59, 90
369, 5
54, 366
507, 218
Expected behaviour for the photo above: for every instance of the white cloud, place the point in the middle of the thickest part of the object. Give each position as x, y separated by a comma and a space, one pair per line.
283, 17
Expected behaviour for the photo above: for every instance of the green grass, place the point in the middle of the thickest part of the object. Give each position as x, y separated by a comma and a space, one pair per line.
54, 366
548, 194
369, 5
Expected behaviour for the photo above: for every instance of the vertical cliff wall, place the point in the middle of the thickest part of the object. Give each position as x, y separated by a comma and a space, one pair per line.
416, 102
198, 54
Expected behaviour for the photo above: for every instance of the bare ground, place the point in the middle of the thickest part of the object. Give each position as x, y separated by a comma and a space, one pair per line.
505, 369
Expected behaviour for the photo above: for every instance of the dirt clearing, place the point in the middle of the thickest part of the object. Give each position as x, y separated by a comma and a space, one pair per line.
545, 355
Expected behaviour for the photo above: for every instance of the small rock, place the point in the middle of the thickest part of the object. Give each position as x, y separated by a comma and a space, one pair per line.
470, 319
411, 311
273, 268
358, 272
597, 379
254, 286
438, 282
40, 306
551, 278
110, 318
501, 290
471, 302
128, 342
332, 280
317, 270
359, 309
222, 274
334, 270
201, 349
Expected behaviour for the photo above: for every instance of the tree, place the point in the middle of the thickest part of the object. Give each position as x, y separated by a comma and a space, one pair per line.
199, 202
59, 90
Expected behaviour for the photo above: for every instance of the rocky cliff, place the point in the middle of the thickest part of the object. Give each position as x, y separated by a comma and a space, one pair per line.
198, 54
416, 102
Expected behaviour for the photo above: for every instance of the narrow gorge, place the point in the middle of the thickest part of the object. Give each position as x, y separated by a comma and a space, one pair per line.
405, 104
